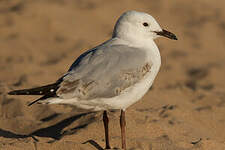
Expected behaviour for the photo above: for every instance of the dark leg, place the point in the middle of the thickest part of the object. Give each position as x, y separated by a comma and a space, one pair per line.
122, 126
106, 122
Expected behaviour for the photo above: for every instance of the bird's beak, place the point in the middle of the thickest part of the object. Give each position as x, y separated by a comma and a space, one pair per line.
166, 34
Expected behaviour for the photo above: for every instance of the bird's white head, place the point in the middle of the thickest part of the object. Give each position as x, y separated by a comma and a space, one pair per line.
133, 25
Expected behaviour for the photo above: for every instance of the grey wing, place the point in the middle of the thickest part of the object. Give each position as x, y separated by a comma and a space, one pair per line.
104, 72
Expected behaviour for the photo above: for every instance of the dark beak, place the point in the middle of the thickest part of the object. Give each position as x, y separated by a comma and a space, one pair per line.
166, 34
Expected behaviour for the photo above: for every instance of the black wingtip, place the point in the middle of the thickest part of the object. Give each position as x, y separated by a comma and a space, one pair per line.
19, 92
31, 103
12, 93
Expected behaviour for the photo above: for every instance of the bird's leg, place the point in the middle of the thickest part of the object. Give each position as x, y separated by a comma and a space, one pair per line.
106, 122
122, 126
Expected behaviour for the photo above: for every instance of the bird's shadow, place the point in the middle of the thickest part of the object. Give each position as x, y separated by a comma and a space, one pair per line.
97, 146
93, 143
54, 131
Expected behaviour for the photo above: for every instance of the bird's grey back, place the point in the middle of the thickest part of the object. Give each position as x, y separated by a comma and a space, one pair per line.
104, 72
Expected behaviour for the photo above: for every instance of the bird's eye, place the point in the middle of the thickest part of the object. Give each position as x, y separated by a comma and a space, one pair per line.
145, 24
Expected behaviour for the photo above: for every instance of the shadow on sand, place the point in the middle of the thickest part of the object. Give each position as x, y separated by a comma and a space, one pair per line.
54, 131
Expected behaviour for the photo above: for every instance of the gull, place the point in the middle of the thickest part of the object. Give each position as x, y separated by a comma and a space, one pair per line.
112, 75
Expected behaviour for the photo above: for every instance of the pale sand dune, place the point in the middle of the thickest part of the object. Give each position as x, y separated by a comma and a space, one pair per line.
184, 110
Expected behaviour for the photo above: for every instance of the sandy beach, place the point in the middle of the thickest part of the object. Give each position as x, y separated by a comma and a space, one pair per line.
184, 110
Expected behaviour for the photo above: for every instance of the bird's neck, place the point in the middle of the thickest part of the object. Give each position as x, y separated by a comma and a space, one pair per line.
145, 44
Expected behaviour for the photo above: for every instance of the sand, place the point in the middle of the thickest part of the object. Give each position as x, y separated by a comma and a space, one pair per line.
185, 109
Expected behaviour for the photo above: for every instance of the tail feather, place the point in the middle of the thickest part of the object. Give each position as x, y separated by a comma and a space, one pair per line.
44, 90
48, 91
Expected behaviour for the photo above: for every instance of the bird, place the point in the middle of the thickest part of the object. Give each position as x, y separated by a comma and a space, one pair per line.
112, 75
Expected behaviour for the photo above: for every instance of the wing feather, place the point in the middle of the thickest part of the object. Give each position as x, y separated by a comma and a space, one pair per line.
104, 73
